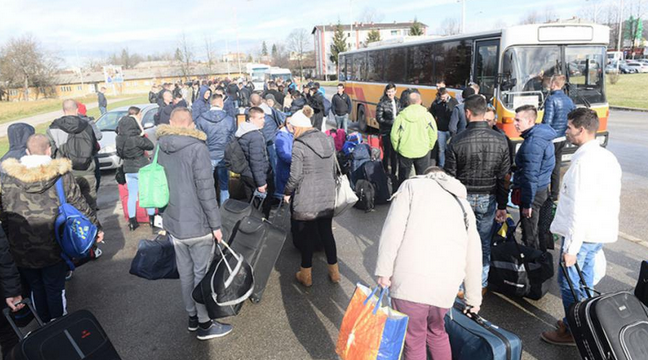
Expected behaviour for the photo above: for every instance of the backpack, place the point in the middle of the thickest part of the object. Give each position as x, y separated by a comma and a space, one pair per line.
153, 185
327, 106
235, 159
339, 137
360, 155
366, 194
74, 232
374, 173
80, 148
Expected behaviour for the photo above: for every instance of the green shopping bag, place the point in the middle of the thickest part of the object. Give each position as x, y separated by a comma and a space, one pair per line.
153, 187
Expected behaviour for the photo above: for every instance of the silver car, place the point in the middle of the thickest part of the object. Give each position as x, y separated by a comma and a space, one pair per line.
107, 124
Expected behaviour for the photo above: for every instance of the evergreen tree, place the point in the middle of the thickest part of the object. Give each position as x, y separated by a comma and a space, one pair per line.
416, 29
339, 43
274, 51
264, 49
373, 36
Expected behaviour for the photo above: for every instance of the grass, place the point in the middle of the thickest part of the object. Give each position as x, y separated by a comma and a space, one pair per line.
40, 129
629, 91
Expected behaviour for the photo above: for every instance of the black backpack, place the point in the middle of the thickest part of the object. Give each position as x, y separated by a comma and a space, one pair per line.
80, 148
235, 159
374, 172
366, 193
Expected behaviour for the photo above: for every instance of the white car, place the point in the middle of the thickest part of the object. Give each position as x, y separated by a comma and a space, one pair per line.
641, 67
107, 124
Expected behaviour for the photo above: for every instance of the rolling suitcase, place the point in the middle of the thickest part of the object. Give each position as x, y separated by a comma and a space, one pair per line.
72, 337
376, 143
234, 211
260, 243
472, 337
608, 326
142, 216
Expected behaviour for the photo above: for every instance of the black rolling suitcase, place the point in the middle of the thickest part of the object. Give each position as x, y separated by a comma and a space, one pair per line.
233, 211
72, 337
609, 326
260, 243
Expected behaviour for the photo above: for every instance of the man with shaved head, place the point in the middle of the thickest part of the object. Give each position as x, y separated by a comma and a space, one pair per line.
192, 218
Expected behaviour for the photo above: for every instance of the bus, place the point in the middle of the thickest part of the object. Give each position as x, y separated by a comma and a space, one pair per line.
275, 73
512, 66
256, 74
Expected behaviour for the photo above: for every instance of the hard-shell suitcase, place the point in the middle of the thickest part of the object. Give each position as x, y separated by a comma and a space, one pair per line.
72, 337
234, 211
141, 215
608, 326
260, 243
472, 337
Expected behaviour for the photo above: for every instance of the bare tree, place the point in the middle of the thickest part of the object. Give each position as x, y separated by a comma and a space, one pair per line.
209, 52
299, 43
549, 14
531, 17
94, 64
184, 55
449, 26
370, 15
24, 63
281, 57
499, 24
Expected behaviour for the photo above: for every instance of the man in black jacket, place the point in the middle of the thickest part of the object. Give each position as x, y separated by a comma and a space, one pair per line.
164, 112
101, 100
442, 109
341, 107
192, 218
249, 135
316, 101
479, 158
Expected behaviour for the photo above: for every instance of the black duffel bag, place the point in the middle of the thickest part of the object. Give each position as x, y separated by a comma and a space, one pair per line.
155, 259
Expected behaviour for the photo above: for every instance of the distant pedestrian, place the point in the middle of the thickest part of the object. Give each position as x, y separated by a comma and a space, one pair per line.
587, 216
311, 192
244, 94
179, 101
413, 136
316, 101
18, 134
186, 91
442, 109
152, 97
479, 158
341, 108
386, 112
458, 121
192, 218
534, 163
102, 101
557, 106
429, 215
164, 111
201, 104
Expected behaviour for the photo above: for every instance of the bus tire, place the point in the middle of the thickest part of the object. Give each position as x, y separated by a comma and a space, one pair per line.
362, 119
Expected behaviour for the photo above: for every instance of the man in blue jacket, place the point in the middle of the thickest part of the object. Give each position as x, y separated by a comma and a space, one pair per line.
219, 127
557, 106
535, 162
202, 102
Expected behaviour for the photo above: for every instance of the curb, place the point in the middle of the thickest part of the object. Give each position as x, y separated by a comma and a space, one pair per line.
623, 108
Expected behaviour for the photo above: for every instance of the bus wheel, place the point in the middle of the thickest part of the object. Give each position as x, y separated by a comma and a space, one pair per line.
362, 119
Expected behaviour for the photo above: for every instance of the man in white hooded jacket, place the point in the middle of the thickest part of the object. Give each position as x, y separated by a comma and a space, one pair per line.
588, 212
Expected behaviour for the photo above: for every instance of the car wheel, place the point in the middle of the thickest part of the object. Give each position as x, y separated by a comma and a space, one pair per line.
362, 119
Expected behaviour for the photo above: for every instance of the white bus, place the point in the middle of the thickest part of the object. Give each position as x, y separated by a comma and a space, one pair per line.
256, 74
275, 73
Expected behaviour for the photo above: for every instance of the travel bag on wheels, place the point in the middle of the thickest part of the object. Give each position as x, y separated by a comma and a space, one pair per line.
608, 326
72, 337
234, 211
472, 337
140, 213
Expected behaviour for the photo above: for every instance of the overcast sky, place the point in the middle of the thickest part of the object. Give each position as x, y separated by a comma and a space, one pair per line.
99, 28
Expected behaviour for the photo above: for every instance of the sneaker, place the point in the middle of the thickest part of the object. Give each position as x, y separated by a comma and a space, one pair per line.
214, 330
561, 337
97, 253
68, 276
193, 323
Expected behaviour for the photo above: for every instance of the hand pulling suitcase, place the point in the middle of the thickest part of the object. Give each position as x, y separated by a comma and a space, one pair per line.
609, 326
472, 337
234, 211
141, 215
260, 243
72, 337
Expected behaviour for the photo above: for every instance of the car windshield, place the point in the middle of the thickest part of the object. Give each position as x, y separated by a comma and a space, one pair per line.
526, 74
585, 76
108, 122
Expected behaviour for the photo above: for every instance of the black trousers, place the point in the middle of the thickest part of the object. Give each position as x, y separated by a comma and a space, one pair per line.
405, 166
47, 285
8, 338
555, 174
307, 232
390, 157
530, 225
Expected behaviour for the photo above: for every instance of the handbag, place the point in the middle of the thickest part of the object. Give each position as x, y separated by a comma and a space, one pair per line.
345, 197
155, 259
120, 176
153, 186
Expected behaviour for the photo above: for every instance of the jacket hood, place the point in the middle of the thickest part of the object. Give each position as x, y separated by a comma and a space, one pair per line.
448, 183
127, 126
71, 124
37, 179
320, 143
413, 113
543, 131
18, 135
203, 90
245, 128
214, 116
173, 139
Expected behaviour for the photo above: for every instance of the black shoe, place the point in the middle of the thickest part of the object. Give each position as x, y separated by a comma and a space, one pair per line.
193, 323
132, 224
152, 221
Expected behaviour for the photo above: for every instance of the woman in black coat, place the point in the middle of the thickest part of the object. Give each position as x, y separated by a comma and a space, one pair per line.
131, 148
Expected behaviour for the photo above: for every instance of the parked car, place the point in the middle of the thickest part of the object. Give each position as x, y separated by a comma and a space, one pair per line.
107, 123
623, 68
639, 66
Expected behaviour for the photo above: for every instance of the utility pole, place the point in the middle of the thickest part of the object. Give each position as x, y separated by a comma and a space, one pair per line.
620, 24
463, 15
351, 22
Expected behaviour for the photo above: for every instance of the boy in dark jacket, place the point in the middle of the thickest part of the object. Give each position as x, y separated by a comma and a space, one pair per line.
534, 161
192, 218
316, 101
18, 134
256, 177
442, 109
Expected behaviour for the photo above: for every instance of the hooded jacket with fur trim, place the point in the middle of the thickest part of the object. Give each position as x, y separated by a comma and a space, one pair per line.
30, 207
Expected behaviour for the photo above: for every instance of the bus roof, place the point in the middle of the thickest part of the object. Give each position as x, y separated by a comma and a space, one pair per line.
276, 70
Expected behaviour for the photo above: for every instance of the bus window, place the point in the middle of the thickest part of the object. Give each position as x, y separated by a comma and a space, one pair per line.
396, 65
359, 67
349, 67
375, 62
439, 62
585, 66
527, 72
421, 65
342, 65
486, 65
457, 63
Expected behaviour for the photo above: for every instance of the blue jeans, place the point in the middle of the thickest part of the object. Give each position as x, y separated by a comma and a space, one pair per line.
222, 173
443, 144
484, 206
102, 110
342, 121
133, 195
585, 258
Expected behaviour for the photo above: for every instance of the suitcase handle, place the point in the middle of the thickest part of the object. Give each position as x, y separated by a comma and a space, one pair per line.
582, 284
7, 314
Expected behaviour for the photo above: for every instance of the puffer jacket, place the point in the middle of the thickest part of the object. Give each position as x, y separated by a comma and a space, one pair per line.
9, 275
132, 145
219, 128
200, 105
479, 158
30, 207
312, 176
557, 106
283, 145
385, 114
18, 135
193, 210
414, 132
254, 147
535, 161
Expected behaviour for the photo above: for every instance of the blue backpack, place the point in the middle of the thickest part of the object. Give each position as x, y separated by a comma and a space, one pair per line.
75, 233
327, 107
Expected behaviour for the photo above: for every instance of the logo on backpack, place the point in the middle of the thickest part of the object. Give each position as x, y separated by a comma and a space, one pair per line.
235, 159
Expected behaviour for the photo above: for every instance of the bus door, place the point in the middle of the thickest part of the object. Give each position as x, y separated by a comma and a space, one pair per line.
486, 65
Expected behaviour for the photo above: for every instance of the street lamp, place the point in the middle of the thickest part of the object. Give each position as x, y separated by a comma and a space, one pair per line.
463, 15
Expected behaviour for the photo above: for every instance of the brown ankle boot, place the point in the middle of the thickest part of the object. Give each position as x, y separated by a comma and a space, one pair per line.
334, 273
305, 277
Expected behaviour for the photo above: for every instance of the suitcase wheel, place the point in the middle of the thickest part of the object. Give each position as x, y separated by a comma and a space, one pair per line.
255, 300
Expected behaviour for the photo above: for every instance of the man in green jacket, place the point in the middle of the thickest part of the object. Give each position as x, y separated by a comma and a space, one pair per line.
413, 136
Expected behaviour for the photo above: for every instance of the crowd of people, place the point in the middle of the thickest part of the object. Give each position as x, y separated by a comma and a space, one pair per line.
436, 240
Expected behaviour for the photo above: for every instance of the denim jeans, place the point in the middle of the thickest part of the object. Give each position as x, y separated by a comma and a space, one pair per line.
585, 258
133, 195
484, 206
48, 289
102, 110
443, 144
272, 157
342, 121
222, 175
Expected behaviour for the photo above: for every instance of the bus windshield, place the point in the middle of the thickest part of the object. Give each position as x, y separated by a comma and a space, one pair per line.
258, 74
